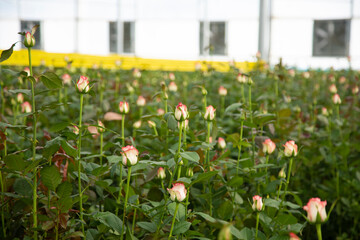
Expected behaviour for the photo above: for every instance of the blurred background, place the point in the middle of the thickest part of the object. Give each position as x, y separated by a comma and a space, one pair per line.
304, 33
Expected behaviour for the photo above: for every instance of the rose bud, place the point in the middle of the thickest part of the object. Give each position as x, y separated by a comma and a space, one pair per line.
221, 143
257, 203
136, 73
324, 111
27, 70
314, 208
291, 72
172, 76
124, 107
141, 101
137, 124
282, 173
135, 83
210, 140
250, 81
20, 98
129, 153
209, 113
161, 173
76, 130
333, 88
268, 146
293, 236
189, 172
172, 87
290, 149
204, 91
151, 124
83, 84
177, 192
342, 80
29, 40
241, 78
355, 90
66, 78
160, 111
222, 91
197, 66
336, 99
101, 127
181, 113
306, 75
26, 107
225, 233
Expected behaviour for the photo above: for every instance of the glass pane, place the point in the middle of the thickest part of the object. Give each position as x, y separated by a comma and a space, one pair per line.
129, 37
217, 38
113, 37
201, 38
26, 26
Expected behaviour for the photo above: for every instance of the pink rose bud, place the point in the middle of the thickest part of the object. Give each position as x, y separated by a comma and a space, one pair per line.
293, 236
210, 140
124, 107
333, 88
342, 80
282, 173
257, 203
76, 130
324, 111
355, 90
135, 83
130, 155
20, 98
241, 78
137, 124
26, 107
29, 40
290, 149
197, 66
336, 99
306, 75
291, 72
66, 78
181, 113
83, 84
209, 113
316, 212
222, 91
136, 73
268, 146
27, 70
151, 124
221, 143
160, 111
177, 192
141, 101
172, 87
101, 127
161, 173
172, 76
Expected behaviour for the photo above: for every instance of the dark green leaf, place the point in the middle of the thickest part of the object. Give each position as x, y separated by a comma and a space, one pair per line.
204, 176
181, 227
110, 220
7, 53
191, 156
50, 177
149, 226
64, 190
51, 80
15, 162
24, 91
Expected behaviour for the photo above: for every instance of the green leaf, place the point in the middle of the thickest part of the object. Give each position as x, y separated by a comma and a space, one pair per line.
51, 147
56, 127
245, 234
181, 227
114, 159
236, 181
64, 190
172, 123
204, 176
286, 219
148, 226
64, 204
50, 177
24, 91
69, 150
51, 80
22, 187
15, 162
232, 107
225, 210
206, 217
7, 53
191, 156
110, 220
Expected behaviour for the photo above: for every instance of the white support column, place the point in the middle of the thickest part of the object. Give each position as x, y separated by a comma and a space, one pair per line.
264, 29
120, 30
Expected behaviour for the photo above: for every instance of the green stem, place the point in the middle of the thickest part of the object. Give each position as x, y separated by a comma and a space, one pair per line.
177, 154
35, 225
239, 153
155, 131
179, 172
2, 209
204, 105
278, 195
288, 179
122, 129
101, 147
162, 214
257, 225
250, 105
318, 230
134, 218
184, 141
222, 103
120, 188
173, 220
266, 168
79, 165
243, 93
208, 142
187, 202
125, 203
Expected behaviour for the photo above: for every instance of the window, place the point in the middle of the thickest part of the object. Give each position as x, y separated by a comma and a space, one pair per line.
216, 42
113, 37
331, 38
129, 37
26, 26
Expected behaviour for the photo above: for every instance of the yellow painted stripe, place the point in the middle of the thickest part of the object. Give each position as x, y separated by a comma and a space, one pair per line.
108, 62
